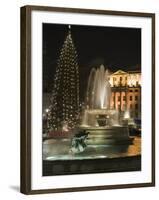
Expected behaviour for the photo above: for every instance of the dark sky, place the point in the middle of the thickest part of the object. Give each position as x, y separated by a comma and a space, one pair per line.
116, 48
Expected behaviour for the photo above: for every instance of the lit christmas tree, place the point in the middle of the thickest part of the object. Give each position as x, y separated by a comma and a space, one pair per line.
64, 109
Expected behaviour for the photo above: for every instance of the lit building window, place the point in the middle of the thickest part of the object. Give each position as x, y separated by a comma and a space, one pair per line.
124, 106
129, 96
114, 79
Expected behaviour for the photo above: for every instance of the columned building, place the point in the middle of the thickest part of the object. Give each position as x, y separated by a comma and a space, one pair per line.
126, 92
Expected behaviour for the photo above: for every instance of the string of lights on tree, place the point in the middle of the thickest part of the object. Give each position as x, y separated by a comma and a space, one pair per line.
64, 109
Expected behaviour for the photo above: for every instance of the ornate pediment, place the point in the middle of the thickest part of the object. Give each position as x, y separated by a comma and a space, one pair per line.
119, 72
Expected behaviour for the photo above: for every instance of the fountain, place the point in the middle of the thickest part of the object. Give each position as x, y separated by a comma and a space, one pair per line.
98, 119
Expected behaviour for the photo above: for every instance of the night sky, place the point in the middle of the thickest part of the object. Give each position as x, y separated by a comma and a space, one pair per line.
116, 48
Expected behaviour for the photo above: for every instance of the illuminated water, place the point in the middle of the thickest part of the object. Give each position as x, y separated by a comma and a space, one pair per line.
98, 89
60, 150
97, 96
97, 109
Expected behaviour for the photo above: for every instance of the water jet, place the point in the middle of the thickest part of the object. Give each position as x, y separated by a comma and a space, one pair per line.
98, 118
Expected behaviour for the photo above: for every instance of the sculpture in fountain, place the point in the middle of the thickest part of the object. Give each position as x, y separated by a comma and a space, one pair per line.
98, 119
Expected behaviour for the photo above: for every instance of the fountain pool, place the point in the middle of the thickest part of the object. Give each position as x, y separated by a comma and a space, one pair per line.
99, 120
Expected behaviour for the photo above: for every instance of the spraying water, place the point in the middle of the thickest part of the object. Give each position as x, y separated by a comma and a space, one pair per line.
98, 99
101, 122
98, 89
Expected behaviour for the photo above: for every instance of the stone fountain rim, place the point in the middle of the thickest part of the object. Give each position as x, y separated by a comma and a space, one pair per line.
101, 111
102, 127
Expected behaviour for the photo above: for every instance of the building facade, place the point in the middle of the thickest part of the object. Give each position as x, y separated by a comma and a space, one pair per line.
126, 92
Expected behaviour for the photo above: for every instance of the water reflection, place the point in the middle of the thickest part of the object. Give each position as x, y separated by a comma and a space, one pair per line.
60, 150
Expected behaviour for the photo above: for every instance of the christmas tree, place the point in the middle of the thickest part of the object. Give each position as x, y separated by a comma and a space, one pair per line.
64, 109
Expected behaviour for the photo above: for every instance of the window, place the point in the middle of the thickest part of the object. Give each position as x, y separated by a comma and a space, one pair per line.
120, 78
124, 106
136, 106
124, 98
136, 90
119, 98
114, 79
130, 91
136, 114
136, 98
130, 98
130, 106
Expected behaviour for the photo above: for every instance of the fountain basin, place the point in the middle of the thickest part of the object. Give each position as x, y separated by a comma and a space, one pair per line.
108, 135
101, 117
